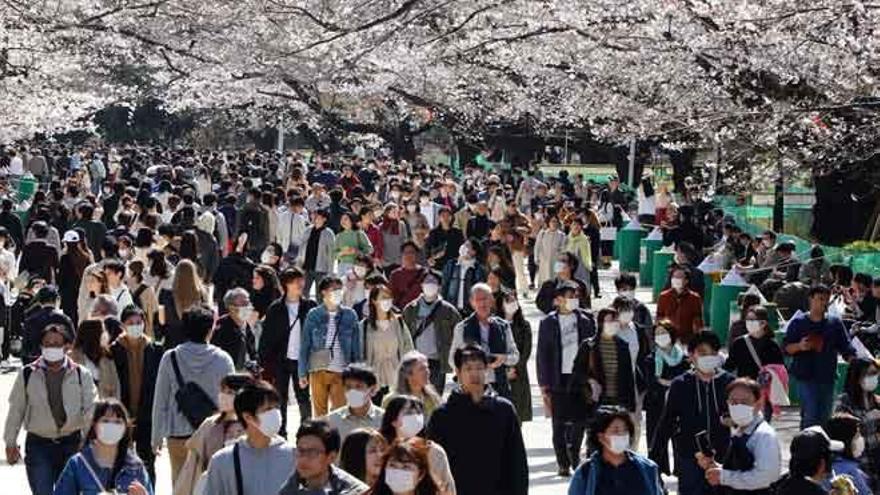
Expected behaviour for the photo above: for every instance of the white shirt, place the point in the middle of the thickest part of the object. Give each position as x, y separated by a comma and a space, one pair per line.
568, 333
16, 166
331, 342
293, 338
764, 446
122, 297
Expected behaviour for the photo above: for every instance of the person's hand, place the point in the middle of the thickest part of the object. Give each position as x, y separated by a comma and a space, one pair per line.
548, 403
13, 455
252, 319
303, 382
713, 476
511, 374
499, 361
596, 390
805, 344
136, 488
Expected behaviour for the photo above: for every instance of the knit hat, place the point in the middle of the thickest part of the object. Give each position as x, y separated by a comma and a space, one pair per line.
206, 222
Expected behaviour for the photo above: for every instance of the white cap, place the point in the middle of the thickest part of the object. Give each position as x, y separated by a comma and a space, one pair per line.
834, 445
71, 236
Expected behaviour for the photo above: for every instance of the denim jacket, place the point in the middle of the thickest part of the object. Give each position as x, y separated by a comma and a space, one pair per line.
76, 478
314, 335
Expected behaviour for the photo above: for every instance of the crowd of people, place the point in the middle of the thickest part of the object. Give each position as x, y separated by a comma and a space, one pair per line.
170, 303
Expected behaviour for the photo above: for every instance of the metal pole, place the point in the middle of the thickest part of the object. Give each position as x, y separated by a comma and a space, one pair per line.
779, 200
280, 146
632, 162
566, 146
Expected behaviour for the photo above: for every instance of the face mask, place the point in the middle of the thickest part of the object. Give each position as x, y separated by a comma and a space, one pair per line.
411, 208
572, 304
360, 271
742, 414
511, 307
400, 480
266, 258
386, 304
858, 446
618, 443
110, 433
356, 398
123, 253
767, 244
559, 267
245, 313
869, 383
411, 425
53, 354
464, 251
627, 294
611, 328
626, 317
430, 290
677, 283
335, 297
708, 364
754, 328
663, 340
226, 402
135, 330
270, 422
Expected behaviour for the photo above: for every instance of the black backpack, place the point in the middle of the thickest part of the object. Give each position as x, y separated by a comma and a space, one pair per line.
192, 401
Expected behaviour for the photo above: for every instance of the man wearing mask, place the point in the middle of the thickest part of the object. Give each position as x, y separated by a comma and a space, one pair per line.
432, 321
475, 425
681, 305
753, 461
292, 224
234, 331
317, 254
331, 340
359, 412
53, 399
815, 340
697, 401
626, 283
492, 334
406, 281
559, 337
261, 462
565, 267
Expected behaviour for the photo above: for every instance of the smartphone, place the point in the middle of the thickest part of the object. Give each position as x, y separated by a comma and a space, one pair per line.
704, 446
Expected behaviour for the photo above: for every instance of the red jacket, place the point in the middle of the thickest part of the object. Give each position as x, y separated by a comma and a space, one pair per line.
684, 309
406, 285
374, 234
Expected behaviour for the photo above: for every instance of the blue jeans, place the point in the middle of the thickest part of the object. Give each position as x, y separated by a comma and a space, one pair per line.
816, 402
691, 477
44, 459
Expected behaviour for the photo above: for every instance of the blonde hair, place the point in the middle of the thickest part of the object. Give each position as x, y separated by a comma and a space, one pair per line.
187, 287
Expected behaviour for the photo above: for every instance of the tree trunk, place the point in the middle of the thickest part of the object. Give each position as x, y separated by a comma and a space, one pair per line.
682, 166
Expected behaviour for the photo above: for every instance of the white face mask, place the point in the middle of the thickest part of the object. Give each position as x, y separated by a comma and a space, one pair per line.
677, 283
53, 354
858, 446
270, 422
124, 253
266, 258
627, 294
135, 330
610, 328
245, 313
626, 317
511, 308
110, 433
464, 251
663, 340
559, 267
386, 304
742, 414
356, 398
400, 480
618, 444
360, 271
708, 364
335, 297
226, 402
411, 425
869, 383
572, 304
430, 290
754, 328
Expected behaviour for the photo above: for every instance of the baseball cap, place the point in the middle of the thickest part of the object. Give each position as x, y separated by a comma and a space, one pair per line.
71, 236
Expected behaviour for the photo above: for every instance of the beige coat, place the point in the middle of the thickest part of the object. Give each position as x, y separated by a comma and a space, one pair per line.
207, 440
108, 378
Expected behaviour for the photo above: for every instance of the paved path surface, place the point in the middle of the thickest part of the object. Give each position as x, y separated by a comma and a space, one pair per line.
542, 463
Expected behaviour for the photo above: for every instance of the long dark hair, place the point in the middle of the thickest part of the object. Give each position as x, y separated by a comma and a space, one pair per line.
88, 340
353, 454
102, 407
412, 451
395, 406
189, 247
852, 387
374, 297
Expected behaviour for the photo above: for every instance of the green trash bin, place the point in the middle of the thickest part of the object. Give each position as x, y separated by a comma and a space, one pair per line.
722, 295
628, 239
26, 188
646, 258
708, 282
662, 260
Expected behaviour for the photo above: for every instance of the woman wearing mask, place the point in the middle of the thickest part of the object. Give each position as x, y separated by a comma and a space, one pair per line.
591, 230
497, 261
549, 243
413, 379
625, 471
518, 376
272, 256
750, 353
355, 290
844, 428
160, 274
137, 358
386, 339
106, 464
95, 285
860, 400
362, 453
414, 218
578, 244
668, 361
405, 471
351, 242
394, 234
213, 434
72, 268
92, 350
142, 294
266, 289
404, 419
187, 291
460, 275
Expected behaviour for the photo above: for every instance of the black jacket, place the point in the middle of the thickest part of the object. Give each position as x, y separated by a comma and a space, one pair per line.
39, 258
549, 355
446, 241
152, 356
547, 293
13, 225
254, 219
238, 344
484, 444
209, 254
276, 331
235, 270
693, 406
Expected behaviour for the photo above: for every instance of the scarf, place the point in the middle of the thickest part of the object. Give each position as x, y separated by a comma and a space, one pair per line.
671, 358
134, 352
391, 226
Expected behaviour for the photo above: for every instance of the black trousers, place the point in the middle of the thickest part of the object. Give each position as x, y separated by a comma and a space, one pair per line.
437, 375
569, 426
532, 264
144, 450
286, 376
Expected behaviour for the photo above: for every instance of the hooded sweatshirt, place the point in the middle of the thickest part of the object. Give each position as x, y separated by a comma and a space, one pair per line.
694, 406
263, 471
203, 364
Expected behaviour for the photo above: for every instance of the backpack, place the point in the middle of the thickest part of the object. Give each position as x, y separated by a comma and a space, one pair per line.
192, 401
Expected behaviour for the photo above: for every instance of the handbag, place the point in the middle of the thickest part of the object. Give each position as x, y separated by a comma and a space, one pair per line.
320, 359
192, 401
